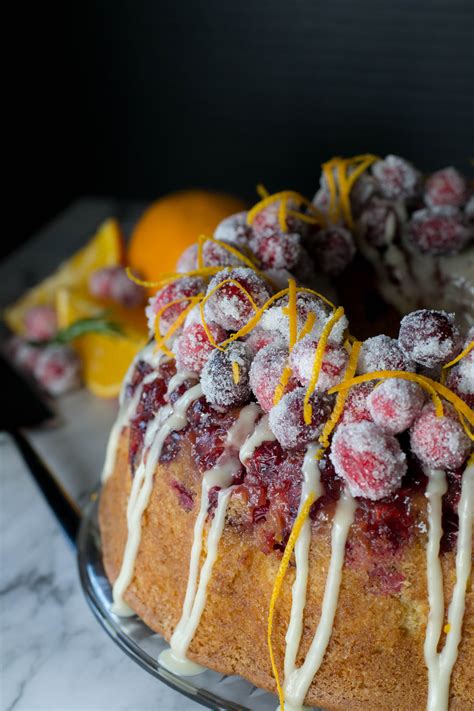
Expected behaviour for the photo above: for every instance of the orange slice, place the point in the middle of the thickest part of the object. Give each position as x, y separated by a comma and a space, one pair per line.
104, 249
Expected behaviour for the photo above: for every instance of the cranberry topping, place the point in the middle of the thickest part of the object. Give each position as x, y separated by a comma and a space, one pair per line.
229, 306
185, 496
333, 250
429, 338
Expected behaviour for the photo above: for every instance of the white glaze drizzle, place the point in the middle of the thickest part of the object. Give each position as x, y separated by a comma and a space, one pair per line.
179, 378
299, 681
142, 487
196, 592
311, 485
262, 433
440, 665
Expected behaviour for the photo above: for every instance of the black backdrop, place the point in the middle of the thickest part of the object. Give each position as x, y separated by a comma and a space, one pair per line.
135, 98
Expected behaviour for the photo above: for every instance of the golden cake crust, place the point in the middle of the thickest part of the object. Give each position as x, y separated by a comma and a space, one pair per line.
374, 660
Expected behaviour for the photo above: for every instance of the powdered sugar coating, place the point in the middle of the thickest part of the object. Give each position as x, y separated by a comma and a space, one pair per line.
440, 442
440, 231
429, 337
179, 289
193, 347
395, 404
234, 230
446, 187
356, 408
275, 318
217, 378
378, 223
229, 306
333, 250
188, 260
396, 178
40, 323
58, 369
287, 418
382, 353
265, 373
370, 461
216, 255
276, 250
333, 366
258, 338
113, 283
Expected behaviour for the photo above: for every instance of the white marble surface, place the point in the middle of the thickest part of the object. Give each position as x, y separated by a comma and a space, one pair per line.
53, 654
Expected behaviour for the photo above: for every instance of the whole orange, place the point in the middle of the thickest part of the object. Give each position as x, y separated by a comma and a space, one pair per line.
171, 224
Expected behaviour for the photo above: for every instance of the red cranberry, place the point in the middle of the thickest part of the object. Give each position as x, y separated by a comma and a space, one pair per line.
217, 377
334, 363
258, 338
229, 306
267, 220
275, 319
277, 250
265, 374
440, 232
395, 404
185, 495
370, 461
193, 347
440, 442
378, 223
58, 369
287, 418
333, 250
124, 291
396, 178
382, 353
40, 323
234, 230
187, 261
446, 187
216, 255
429, 338
356, 407
179, 289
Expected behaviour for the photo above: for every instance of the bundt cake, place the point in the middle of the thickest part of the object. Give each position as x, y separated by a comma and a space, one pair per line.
283, 501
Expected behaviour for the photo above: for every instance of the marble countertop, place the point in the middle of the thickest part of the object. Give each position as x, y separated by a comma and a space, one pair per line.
53, 653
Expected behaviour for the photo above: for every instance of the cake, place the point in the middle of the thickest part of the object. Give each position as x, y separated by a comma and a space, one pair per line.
285, 502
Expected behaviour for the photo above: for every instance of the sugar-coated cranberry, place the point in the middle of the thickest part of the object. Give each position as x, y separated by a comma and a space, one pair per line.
396, 178
216, 255
100, 282
334, 363
180, 289
277, 250
40, 323
265, 373
466, 372
22, 354
187, 260
382, 353
258, 338
218, 376
429, 338
58, 369
462, 386
112, 283
395, 404
276, 317
267, 221
229, 306
287, 418
370, 461
193, 347
446, 187
440, 442
333, 250
439, 232
304, 272
356, 408
378, 223
234, 230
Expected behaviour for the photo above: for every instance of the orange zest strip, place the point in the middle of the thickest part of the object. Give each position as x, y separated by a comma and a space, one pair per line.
228, 248
331, 183
208, 296
290, 311
262, 192
310, 219
462, 355
465, 426
344, 191
283, 195
295, 532
250, 325
318, 359
454, 399
282, 215
280, 388
161, 340
304, 290
310, 321
235, 372
174, 276
341, 397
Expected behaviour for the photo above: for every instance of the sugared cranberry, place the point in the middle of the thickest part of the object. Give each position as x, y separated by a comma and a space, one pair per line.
216, 255
287, 418
40, 323
218, 378
276, 317
229, 306
258, 338
378, 223
440, 442
333, 250
58, 369
429, 338
305, 272
22, 354
187, 260
265, 373
395, 404
112, 283
382, 353
332, 368
370, 461
193, 347
396, 178
440, 232
463, 386
267, 220
356, 407
277, 250
234, 230
180, 289
446, 187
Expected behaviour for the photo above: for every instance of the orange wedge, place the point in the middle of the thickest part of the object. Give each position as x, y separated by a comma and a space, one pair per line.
105, 358
104, 249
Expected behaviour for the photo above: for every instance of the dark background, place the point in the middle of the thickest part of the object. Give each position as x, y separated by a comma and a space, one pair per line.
133, 99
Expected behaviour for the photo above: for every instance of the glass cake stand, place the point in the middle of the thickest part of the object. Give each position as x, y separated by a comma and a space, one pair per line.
216, 691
